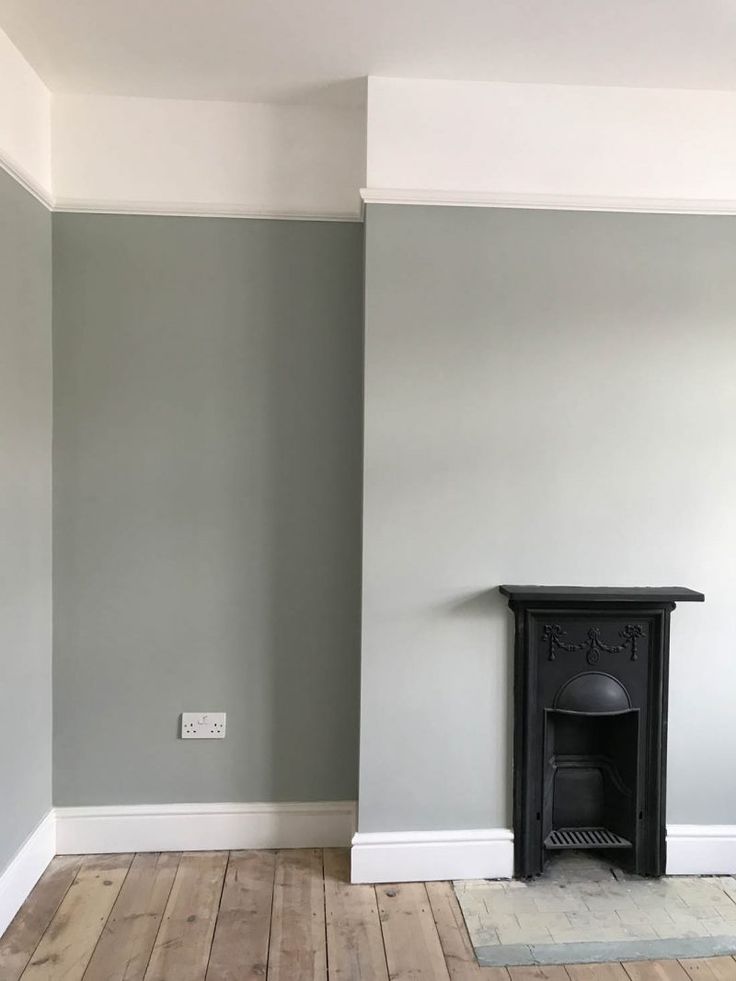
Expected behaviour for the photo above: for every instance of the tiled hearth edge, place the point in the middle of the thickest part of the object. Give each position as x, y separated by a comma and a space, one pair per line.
604, 952
489, 853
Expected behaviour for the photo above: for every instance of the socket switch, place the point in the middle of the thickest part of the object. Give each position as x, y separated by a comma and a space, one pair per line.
203, 725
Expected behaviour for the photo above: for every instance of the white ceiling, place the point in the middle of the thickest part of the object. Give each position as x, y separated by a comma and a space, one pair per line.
306, 51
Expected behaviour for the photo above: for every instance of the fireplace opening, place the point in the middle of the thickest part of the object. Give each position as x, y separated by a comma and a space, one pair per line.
590, 780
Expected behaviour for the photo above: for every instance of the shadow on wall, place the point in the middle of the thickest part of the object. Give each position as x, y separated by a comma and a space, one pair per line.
315, 457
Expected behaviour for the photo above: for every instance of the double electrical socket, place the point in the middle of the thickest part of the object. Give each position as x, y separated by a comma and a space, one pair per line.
203, 725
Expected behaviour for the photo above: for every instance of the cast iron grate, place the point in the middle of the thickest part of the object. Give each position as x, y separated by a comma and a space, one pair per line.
585, 838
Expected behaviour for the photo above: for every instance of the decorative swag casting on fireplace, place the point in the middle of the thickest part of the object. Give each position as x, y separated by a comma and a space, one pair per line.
590, 724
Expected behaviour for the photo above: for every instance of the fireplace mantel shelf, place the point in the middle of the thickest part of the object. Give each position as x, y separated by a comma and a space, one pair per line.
601, 594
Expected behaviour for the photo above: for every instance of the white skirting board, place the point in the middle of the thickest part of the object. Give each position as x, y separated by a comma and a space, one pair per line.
203, 827
407, 856
376, 857
26, 869
415, 856
701, 849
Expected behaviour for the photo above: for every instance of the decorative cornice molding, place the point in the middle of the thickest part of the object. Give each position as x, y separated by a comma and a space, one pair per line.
451, 199
547, 202
183, 209
170, 209
26, 181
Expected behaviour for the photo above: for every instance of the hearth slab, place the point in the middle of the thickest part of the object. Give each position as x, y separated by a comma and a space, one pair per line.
584, 910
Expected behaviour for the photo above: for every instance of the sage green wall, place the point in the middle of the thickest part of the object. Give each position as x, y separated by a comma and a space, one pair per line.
207, 495
550, 397
25, 514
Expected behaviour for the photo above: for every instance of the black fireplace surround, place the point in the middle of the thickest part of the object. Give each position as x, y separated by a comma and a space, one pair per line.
590, 724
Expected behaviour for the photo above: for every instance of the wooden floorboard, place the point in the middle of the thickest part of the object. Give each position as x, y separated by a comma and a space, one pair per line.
710, 969
456, 946
298, 944
182, 947
263, 916
124, 948
240, 947
67, 945
597, 972
354, 940
413, 949
655, 971
548, 973
24, 933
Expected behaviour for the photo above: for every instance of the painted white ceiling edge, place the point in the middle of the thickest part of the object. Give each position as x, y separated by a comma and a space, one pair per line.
425, 142
221, 158
319, 52
178, 157
25, 122
550, 146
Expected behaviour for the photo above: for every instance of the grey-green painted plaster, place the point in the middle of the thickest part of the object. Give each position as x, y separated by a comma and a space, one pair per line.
207, 455
25, 514
550, 397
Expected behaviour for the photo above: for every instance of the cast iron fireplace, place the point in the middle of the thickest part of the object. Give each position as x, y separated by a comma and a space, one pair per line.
590, 725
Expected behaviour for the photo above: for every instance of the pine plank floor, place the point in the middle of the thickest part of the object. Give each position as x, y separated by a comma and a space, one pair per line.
262, 916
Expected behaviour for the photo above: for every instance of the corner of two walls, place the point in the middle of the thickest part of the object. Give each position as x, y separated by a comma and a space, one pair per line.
207, 469
206, 504
25, 122
25, 516
207, 465
25, 465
